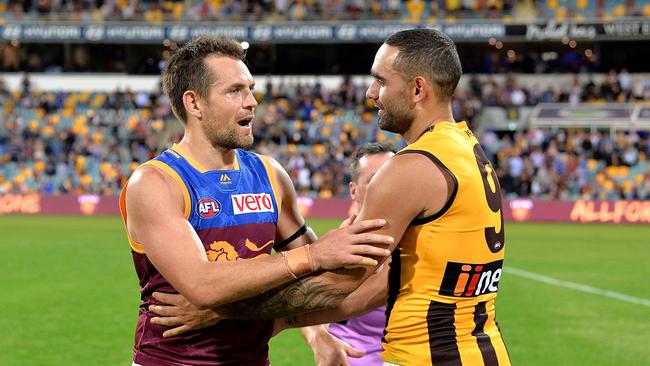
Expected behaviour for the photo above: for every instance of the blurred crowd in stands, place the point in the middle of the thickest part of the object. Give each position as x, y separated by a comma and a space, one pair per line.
487, 91
16, 56
89, 142
305, 10
572, 164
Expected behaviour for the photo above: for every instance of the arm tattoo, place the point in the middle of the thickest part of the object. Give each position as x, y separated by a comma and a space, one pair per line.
302, 296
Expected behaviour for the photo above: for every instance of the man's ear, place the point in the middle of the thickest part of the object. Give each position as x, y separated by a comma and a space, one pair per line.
191, 103
421, 88
353, 190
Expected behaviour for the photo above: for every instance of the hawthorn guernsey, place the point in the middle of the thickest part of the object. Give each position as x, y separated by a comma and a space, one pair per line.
251, 202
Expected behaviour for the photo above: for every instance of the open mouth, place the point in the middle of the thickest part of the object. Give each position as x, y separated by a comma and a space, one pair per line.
245, 122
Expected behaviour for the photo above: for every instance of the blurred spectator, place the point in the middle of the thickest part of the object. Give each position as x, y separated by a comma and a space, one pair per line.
9, 55
409, 10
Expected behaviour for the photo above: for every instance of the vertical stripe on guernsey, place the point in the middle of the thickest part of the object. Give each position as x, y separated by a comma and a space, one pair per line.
393, 284
482, 339
137, 247
485, 348
496, 338
442, 334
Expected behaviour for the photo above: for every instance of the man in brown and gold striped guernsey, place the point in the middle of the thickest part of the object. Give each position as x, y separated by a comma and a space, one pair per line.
441, 198
449, 223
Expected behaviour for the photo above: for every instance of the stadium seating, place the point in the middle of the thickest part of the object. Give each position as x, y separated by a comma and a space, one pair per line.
90, 142
408, 11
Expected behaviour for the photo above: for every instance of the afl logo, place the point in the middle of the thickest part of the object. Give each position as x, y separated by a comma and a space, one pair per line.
208, 208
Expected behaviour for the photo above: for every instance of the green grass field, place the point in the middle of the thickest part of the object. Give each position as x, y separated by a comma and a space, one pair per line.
69, 294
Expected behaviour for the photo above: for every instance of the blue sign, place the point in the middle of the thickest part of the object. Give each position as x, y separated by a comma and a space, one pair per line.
286, 32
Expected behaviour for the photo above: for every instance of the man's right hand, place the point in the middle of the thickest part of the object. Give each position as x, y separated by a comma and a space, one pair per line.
351, 246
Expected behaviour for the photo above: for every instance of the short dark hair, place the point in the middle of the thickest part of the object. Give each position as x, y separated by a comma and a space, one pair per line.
186, 69
429, 53
370, 148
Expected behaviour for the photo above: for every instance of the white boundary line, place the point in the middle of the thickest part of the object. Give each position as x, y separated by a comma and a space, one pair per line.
577, 286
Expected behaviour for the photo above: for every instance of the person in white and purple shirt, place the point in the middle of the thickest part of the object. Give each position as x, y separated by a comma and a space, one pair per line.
360, 335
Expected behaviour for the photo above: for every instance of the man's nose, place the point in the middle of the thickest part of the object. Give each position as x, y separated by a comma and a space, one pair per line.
250, 101
371, 93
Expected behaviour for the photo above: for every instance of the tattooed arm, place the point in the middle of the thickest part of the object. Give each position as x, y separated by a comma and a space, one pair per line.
370, 295
305, 295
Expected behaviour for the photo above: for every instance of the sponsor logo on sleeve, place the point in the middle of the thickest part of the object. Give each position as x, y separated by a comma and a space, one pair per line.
471, 280
251, 203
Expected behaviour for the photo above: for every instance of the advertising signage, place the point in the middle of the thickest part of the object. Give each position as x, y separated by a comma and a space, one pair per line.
520, 209
319, 32
616, 30
265, 33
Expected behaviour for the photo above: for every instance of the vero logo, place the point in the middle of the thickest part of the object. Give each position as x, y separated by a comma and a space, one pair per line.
251, 202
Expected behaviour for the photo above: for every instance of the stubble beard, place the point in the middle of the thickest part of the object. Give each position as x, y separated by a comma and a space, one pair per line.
398, 120
226, 140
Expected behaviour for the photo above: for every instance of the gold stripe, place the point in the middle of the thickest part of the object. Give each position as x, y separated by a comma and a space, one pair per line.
189, 159
176, 150
135, 246
270, 172
495, 335
468, 350
235, 165
174, 153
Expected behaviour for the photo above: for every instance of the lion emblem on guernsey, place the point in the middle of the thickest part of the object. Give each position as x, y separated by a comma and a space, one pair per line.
222, 251
253, 247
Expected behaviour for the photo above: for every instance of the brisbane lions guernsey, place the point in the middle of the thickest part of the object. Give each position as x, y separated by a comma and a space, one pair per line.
234, 212
446, 271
